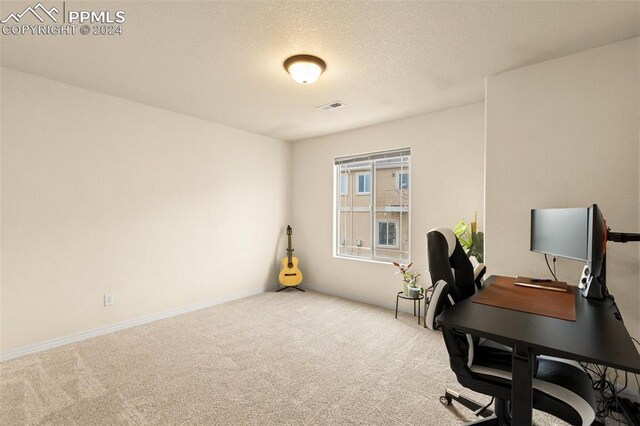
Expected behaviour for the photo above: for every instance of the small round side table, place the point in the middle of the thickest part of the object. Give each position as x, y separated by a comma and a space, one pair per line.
416, 300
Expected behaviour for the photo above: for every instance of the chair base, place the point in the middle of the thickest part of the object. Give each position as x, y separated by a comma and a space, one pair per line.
500, 417
476, 407
489, 421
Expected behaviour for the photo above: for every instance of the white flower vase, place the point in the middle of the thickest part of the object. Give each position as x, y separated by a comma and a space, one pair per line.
405, 288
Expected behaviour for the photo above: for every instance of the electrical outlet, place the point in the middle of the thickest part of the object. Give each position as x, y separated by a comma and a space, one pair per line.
108, 299
317, 270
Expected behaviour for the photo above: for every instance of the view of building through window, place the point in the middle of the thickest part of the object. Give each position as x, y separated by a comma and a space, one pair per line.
372, 206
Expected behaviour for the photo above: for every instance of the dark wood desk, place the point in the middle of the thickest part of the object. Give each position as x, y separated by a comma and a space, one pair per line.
597, 336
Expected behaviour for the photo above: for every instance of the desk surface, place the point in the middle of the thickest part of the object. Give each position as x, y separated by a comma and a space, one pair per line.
596, 336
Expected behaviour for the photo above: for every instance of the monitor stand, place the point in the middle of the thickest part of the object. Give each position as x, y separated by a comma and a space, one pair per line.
594, 286
593, 290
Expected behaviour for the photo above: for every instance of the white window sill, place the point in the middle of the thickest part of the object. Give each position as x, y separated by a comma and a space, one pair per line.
382, 262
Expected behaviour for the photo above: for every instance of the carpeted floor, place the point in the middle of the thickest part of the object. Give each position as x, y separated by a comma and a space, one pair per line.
275, 358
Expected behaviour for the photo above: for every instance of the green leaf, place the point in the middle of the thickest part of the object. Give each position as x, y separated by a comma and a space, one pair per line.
472, 243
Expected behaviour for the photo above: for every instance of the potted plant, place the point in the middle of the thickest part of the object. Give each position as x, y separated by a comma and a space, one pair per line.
409, 280
414, 290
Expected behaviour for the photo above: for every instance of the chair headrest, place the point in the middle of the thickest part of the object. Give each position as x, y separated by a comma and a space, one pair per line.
449, 236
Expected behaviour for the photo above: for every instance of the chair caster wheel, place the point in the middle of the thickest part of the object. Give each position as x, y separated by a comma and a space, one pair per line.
445, 400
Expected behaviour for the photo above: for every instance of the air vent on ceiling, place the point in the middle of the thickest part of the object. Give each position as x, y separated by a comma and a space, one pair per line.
330, 106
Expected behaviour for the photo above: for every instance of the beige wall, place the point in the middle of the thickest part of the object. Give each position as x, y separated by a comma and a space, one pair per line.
446, 186
102, 195
565, 133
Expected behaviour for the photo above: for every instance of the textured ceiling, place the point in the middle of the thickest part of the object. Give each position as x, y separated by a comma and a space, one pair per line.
222, 61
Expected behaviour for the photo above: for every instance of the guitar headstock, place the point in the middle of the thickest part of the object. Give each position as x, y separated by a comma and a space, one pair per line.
288, 230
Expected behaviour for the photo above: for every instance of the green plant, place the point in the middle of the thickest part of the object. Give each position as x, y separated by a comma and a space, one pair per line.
470, 239
409, 277
463, 232
477, 249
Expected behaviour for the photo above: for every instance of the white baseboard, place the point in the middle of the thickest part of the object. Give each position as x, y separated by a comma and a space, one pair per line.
402, 307
76, 337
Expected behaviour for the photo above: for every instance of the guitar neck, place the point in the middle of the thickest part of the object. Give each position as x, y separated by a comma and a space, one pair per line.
289, 251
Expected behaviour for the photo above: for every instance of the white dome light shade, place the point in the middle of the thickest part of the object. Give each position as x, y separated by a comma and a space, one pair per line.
304, 69
305, 72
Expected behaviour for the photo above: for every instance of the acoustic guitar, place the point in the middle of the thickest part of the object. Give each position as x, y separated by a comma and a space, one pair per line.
290, 275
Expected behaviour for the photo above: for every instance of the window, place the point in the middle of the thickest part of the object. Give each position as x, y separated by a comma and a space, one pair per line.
344, 184
364, 183
402, 180
387, 233
373, 222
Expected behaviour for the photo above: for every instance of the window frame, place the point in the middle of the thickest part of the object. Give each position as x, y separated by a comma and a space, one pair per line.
358, 192
344, 176
399, 180
387, 221
403, 221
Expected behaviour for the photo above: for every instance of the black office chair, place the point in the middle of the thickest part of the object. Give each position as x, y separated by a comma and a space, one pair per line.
561, 387
459, 261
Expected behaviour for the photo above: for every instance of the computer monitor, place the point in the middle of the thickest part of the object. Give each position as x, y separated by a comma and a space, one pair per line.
573, 233
560, 232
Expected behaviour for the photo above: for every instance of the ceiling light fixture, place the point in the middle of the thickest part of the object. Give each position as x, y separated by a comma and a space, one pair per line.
304, 69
